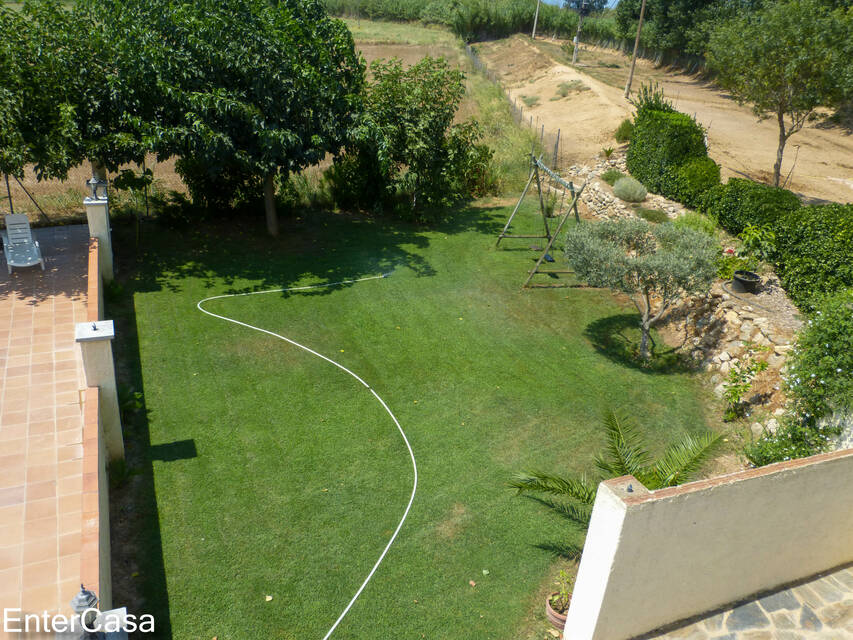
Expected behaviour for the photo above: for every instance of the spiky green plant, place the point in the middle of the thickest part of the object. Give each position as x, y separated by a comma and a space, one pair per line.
624, 454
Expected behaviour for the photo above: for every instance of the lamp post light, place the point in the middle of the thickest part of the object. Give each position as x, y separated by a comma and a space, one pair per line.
98, 188
83, 604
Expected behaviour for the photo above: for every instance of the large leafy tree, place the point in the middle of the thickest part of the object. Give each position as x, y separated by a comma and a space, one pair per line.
239, 90
653, 264
785, 59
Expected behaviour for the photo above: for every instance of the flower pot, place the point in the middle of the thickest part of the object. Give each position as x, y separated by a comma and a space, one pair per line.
746, 281
558, 620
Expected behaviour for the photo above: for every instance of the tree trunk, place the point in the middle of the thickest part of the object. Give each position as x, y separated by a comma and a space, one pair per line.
777, 168
646, 326
99, 170
636, 47
269, 204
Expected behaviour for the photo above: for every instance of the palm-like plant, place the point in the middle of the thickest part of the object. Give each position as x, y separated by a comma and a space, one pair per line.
624, 454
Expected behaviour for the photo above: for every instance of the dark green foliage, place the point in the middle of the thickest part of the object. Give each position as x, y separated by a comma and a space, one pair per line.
820, 369
740, 202
650, 97
661, 142
728, 263
611, 176
405, 154
690, 182
814, 251
624, 130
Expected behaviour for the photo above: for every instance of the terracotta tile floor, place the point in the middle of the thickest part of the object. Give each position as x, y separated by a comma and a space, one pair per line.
41, 456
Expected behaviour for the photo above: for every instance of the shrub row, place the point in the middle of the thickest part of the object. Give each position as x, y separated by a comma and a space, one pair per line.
740, 202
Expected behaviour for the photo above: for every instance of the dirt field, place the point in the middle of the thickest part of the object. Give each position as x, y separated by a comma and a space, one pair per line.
743, 146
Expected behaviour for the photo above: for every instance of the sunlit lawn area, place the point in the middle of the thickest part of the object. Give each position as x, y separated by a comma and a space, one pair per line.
288, 478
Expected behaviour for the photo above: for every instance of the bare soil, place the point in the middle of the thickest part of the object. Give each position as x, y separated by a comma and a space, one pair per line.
738, 141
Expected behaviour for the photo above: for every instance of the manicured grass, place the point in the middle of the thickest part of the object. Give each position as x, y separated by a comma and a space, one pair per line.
299, 477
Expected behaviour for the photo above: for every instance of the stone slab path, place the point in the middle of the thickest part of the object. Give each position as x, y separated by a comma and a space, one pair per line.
820, 608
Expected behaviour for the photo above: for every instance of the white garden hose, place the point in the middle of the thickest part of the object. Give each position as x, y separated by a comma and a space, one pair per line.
367, 386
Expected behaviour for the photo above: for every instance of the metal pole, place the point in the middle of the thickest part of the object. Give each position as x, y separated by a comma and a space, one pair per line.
9, 192
535, 20
578, 36
556, 149
636, 46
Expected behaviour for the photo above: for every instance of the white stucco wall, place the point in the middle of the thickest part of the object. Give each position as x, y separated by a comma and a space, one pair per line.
653, 558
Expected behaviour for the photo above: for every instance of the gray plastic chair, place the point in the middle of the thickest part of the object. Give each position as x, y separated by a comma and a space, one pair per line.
18, 245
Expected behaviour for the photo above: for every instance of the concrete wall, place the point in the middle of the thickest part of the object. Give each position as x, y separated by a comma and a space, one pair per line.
653, 558
95, 568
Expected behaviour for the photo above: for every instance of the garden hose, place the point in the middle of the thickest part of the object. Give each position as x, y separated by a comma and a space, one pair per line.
366, 386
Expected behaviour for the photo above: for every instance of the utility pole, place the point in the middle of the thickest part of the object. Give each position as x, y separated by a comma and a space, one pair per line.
535, 19
636, 46
583, 11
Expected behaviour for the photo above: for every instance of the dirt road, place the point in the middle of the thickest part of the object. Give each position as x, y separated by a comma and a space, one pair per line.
590, 112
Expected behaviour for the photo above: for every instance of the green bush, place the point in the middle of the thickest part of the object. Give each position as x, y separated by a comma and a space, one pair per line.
690, 182
661, 142
629, 190
653, 215
611, 176
624, 130
728, 263
792, 440
814, 251
697, 221
740, 202
820, 369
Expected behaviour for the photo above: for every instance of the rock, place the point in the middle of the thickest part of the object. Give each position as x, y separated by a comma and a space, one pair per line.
779, 412
772, 425
757, 429
733, 318
775, 362
720, 389
715, 379
724, 367
724, 356
783, 348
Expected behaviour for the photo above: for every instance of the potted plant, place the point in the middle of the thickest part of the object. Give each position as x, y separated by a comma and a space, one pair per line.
557, 604
746, 280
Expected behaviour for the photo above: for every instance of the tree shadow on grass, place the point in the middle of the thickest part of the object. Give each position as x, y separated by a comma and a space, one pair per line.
618, 338
315, 246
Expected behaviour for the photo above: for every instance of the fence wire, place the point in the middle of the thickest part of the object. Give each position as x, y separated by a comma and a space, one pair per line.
548, 140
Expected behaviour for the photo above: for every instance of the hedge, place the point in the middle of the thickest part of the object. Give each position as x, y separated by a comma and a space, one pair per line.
741, 202
689, 183
814, 251
661, 142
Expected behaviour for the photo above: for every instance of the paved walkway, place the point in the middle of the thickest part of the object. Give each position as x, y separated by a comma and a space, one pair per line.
820, 608
41, 452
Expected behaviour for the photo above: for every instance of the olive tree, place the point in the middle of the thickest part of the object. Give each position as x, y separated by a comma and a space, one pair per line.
786, 59
654, 264
238, 90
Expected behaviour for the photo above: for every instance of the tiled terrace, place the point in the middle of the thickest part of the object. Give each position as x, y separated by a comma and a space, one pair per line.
41, 450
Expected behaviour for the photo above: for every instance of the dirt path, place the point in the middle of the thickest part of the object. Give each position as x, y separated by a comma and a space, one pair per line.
742, 145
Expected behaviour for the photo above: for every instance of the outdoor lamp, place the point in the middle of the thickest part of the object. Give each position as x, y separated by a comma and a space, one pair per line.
83, 604
98, 188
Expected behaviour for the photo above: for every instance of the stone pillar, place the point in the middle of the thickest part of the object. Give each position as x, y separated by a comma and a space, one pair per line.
98, 217
95, 340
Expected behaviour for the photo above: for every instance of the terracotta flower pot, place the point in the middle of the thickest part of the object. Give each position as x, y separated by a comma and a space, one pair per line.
555, 618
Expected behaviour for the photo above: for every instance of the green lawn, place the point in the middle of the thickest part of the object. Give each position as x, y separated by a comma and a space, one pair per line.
258, 469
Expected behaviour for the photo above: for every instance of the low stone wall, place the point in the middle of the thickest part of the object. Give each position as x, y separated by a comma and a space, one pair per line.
653, 558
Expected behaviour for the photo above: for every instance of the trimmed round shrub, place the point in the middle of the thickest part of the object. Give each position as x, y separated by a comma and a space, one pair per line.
624, 130
689, 183
611, 176
629, 190
814, 251
660, 142
740, 202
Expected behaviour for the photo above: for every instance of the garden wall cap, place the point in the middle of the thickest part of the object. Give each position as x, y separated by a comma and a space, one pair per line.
90, 331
